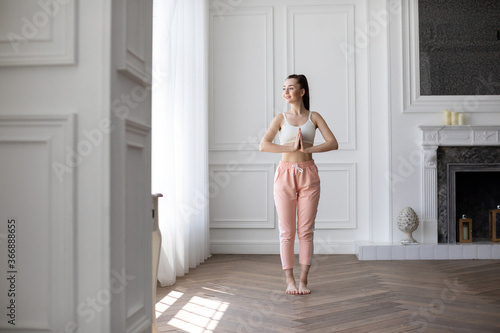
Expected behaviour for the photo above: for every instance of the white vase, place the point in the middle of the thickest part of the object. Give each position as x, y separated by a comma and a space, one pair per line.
408, 222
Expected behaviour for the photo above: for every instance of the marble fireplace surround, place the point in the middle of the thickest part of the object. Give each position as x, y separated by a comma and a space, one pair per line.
449, 136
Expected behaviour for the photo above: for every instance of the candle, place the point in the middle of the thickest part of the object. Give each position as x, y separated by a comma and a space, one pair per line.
461, 119
465, 232
454, 118
447, 117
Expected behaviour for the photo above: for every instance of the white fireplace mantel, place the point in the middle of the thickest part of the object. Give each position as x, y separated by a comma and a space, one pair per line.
464, 135
432, 138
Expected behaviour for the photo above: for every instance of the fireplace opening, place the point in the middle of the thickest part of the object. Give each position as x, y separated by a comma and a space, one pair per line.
477, 170
477, 190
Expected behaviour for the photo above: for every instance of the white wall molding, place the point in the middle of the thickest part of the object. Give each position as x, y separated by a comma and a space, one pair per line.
233, 184
413, 101
137, 153
346, 63
379, 118
341, 215
44, 213
133, 58
225, 110
137, 133
141, 325
39, 34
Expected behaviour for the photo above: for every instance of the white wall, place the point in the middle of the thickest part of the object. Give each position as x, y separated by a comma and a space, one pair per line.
57, 87
255, 45
388, 110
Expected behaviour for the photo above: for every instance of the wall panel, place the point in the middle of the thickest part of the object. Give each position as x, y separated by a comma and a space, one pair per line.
241, 75
37, 151
133, 57
337, 207
319, 38
37, 32
241, 196
138, 225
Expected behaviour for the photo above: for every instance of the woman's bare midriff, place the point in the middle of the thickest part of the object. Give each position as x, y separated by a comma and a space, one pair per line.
296, 156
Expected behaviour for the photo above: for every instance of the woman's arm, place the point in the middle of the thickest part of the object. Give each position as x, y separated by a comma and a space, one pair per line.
330, 140
267, 145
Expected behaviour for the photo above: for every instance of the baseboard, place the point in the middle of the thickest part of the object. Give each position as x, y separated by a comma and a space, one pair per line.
272, 247
369, 251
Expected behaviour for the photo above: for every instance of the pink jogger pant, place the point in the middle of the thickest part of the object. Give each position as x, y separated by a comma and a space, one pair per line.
296, 195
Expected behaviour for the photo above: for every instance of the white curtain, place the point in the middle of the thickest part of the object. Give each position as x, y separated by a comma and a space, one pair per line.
180, 134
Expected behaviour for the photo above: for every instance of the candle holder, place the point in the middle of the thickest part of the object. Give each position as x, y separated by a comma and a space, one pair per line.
465, 229
494, 215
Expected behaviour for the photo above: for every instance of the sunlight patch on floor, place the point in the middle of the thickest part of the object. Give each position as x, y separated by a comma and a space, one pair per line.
167, 302
199, 315
217, 291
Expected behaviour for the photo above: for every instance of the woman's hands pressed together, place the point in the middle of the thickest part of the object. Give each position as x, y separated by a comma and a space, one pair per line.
298, 145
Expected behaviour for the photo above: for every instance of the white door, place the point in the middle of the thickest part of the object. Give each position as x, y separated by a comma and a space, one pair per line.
75, 199
254, 46
131, 222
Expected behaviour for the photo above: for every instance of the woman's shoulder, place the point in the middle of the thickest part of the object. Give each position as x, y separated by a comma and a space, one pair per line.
279, 117
315, 116
278, 120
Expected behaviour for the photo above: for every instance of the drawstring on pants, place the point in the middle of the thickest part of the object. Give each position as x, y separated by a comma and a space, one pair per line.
297, 168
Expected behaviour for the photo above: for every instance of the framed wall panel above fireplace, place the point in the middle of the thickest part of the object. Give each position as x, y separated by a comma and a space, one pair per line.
418, 94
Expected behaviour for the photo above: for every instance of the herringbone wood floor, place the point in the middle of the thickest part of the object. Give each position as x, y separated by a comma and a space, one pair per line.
245, 293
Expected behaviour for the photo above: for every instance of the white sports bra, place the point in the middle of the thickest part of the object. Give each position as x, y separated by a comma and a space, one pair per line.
288, 132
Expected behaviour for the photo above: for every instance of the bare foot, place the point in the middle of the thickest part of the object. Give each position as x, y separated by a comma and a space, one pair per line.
303, 288
291, 288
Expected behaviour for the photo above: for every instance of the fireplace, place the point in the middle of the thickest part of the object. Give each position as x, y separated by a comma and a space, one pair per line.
472, 156
452, 153
468, 183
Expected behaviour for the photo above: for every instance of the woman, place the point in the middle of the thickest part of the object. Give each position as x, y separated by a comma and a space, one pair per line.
297, 184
